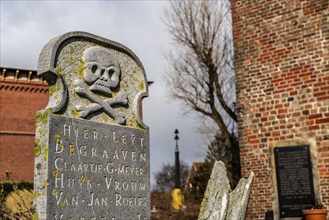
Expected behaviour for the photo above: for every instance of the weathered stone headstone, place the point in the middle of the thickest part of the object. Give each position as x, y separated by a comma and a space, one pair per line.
220, 202
92, 148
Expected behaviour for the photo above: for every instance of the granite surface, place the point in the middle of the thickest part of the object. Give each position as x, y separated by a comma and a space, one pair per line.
92, 147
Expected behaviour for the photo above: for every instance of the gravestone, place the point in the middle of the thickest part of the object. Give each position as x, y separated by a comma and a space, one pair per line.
92, 147
220, 202
294, 180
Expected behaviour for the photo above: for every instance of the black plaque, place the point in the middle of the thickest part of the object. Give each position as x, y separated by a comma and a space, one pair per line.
294, 180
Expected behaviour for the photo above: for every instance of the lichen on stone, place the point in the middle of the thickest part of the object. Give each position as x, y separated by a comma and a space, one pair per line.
36, 194
55, 173
37, 150
53, 192
46, 183
141, 86
38, 166
35, 216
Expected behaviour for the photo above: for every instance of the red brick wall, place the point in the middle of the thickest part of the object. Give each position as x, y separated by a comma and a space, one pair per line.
20, 98
282, 78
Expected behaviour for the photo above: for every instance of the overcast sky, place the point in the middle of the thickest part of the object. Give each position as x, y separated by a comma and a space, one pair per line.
26, 26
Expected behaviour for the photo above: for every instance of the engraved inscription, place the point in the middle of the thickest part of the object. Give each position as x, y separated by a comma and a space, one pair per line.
97, 168
294, 180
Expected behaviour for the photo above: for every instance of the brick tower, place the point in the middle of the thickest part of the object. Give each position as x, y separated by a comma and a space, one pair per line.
22, 93
282, 78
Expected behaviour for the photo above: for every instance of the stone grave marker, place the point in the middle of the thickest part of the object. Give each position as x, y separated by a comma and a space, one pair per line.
92, 147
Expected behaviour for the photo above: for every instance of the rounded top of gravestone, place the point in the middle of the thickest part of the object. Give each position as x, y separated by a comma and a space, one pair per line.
93, 78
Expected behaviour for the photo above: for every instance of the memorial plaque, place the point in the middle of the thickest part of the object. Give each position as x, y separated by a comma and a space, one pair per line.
92, 148
294, 180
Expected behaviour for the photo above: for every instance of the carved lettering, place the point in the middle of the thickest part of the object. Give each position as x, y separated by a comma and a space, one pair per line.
58, 163
133, 156
97, 200
141, 218
95, 135
66, 200
95, 162
134, 185
132, 139
67, 130
105, 154
58, 217
114, 138
129, 201
108, 181
93, 151
59, 180
72, 149
123, 138
85, 133
59, 146
142, 157
70, 182
83, 150
142, 141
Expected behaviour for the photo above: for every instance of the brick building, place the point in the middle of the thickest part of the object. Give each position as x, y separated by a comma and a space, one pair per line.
22, 93
282, 72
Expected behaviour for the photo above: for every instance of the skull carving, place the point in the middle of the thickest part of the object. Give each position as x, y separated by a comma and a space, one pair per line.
102, 76
103, 71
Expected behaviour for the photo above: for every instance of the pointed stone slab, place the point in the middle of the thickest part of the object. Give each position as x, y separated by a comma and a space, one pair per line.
219, 201
92, 147
239, 199
216, 197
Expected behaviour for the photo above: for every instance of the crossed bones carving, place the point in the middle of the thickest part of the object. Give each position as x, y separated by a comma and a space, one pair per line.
99, 104
102, 75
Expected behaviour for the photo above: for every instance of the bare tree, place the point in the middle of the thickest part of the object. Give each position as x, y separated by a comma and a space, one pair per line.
165, 178
201, 73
